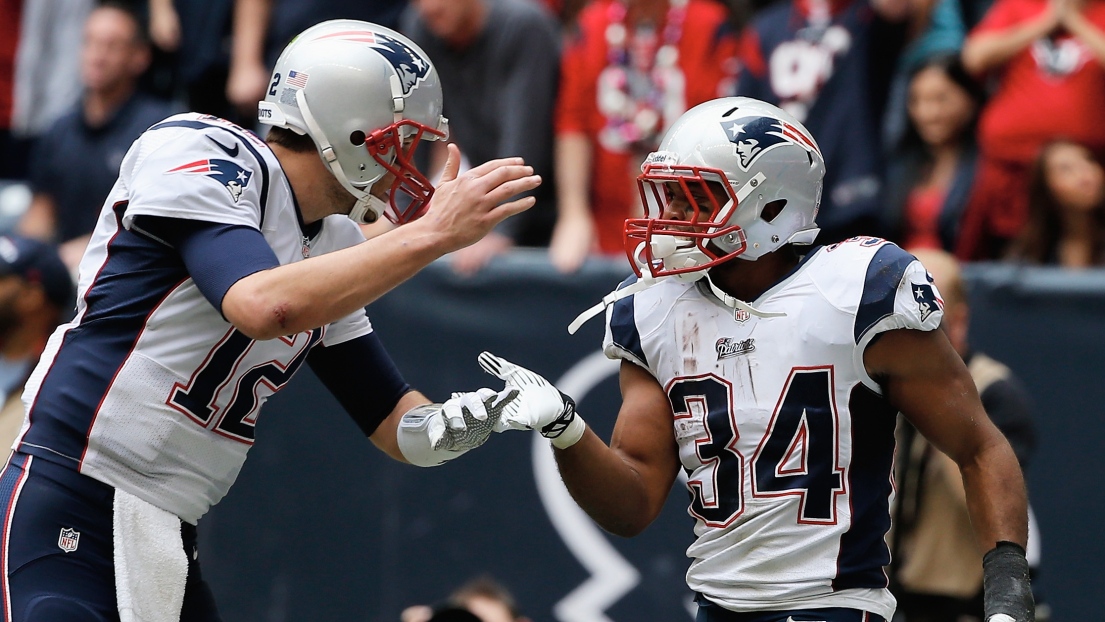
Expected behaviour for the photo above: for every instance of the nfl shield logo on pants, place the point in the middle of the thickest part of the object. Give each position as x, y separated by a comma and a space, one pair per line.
68, 539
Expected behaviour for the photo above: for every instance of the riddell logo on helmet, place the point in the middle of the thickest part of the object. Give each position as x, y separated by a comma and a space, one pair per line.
753, 136
411, 67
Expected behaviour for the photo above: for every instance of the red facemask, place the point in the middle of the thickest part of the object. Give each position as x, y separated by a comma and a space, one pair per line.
395, 152
651, 242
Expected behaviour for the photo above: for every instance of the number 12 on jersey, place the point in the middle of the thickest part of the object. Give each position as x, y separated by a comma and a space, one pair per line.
797, 456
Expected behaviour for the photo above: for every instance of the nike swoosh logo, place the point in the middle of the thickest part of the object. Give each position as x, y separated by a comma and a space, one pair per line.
232, 152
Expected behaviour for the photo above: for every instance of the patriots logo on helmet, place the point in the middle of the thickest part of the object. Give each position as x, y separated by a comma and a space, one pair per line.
410, 66
233, 177
927, 302
753, 136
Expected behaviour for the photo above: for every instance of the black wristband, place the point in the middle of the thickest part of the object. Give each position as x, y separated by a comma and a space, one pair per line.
1006, 583
557, 427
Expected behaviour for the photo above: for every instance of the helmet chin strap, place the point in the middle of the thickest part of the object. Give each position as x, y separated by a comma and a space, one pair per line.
737, 303
368, 207
646, 282
609, 299
642, 284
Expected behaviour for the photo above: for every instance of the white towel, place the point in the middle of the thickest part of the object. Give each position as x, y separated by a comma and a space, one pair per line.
151, 566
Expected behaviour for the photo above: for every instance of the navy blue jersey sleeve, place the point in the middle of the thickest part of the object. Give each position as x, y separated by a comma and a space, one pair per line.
622, 339
896, 286
216, 255
363, 378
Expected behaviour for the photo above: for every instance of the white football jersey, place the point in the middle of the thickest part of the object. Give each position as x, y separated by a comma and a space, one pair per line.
148, 388
786, 441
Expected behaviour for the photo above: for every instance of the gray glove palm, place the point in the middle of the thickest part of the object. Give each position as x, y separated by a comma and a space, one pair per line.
469, 418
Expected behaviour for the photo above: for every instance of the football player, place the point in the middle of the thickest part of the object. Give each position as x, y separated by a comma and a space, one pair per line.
220, 264
771, 371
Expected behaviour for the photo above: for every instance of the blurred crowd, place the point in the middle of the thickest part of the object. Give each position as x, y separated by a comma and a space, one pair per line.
959, 128
969, 126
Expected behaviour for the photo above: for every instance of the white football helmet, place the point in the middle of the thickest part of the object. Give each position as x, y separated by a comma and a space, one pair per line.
756, 157
366, 95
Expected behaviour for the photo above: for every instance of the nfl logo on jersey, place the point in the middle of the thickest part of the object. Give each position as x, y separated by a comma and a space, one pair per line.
68, 539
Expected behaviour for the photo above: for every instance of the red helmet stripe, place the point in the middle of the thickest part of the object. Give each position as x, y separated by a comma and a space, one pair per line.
795, 134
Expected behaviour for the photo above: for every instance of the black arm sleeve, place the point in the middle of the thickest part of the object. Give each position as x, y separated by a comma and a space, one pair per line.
362, 376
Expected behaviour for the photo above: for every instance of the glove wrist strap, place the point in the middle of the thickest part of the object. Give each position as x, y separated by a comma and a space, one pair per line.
571, 434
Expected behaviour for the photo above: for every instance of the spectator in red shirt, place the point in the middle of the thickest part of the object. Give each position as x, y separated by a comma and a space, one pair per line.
629, 70
1066, 209
1049, 58
929, 180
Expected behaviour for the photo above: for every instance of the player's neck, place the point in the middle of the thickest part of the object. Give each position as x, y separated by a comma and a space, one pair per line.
316, 191
747, 280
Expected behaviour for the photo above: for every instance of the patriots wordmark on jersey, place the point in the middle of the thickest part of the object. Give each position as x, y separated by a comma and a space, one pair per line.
148, 388
786, 441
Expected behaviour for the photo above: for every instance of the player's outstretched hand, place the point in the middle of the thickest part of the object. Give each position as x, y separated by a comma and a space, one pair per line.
432, 434
467, 419
539, 406
464, 208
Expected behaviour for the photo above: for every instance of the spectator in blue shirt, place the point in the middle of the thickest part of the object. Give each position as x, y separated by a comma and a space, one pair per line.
75, 163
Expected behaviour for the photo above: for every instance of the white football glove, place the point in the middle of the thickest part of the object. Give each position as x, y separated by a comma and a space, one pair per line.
432, 434
539, 406
471, 417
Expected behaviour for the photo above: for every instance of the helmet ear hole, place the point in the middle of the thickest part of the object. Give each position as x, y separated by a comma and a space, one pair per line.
773, 209
357, 138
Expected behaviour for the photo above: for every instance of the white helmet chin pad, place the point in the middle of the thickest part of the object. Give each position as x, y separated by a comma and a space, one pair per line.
367, 209
736, 177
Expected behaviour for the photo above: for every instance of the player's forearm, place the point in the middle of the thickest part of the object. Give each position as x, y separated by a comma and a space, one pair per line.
996, 496
384, 437
605, 486
300, 296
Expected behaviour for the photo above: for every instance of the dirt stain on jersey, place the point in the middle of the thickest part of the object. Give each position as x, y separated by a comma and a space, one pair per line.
688, 339
751, 377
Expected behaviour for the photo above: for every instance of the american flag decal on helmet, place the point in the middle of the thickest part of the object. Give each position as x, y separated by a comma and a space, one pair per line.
297, 79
